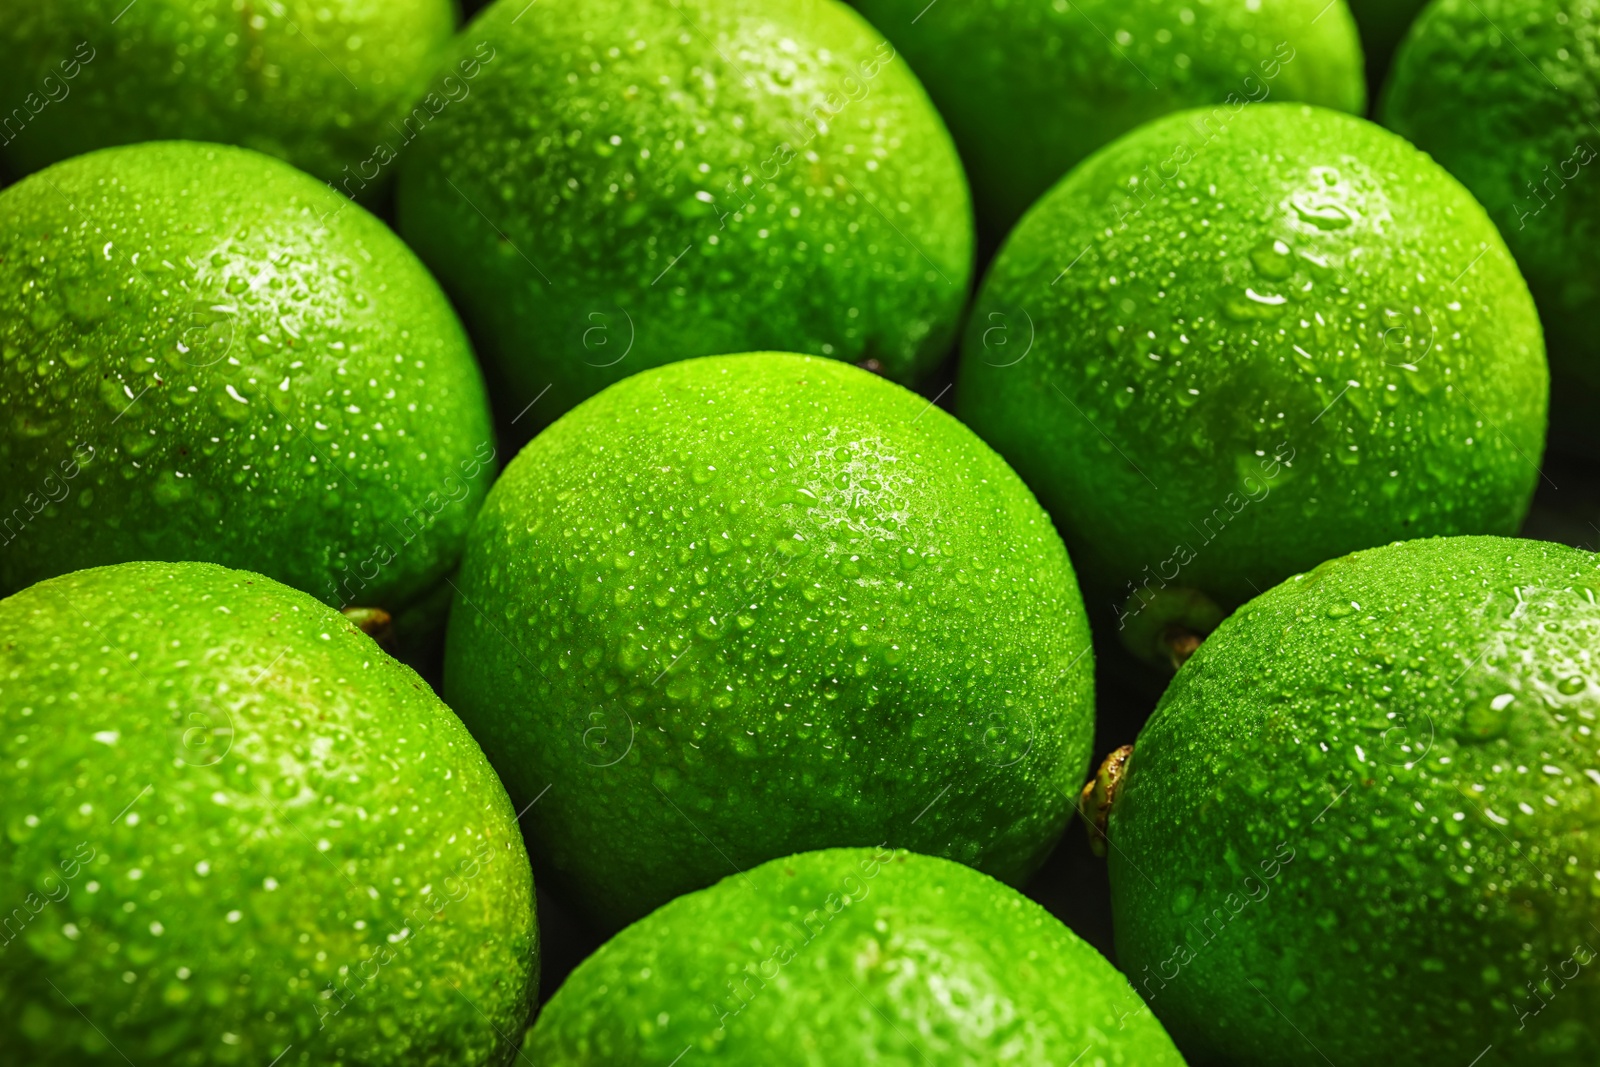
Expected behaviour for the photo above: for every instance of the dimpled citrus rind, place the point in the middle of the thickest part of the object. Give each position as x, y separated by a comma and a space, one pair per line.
742, 606
236, 830
1030, 89
632, 183
849, 956
315, 83
208, 355
1224, 351
1518, 131
1361, 817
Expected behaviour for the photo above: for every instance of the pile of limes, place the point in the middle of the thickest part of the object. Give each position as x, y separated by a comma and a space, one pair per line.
744, 465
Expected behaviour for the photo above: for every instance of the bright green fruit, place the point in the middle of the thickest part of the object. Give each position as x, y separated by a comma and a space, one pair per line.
849, 956
238, 833
1223, 354
1363, 817
209, 355
1029, 88
745, 606
1505, 96
1382, 24
634, 182
320, 83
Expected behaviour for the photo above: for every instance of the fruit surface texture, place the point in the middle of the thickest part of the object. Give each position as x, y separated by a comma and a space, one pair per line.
314, 83
632, 183
1504, 96
741, 606
850, 956
1221, 354
236, 830
1362, 817
1031, 88
208, 355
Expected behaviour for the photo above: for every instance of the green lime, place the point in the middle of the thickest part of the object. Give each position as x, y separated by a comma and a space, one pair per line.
1505, 97
1030, 88
336, 87
633, 182
849, 956
1223, 354
743, 606
209, 355
1362, 817
235, 832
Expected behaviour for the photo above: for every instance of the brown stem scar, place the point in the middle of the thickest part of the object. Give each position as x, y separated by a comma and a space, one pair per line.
1094, 803
374, 622
1181, 643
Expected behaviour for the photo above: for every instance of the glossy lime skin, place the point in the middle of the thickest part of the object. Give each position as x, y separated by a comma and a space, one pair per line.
743, 606
1371, 795
237, 830
849, 956
1030, 87
208, 355
633, 182
1517, 129
1219, 362
315, 82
